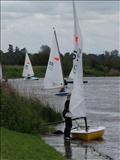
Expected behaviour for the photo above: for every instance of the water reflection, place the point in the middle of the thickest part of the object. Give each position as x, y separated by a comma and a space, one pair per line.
68, 149
86, 147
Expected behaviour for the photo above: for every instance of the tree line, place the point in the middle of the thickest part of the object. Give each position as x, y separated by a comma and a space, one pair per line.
109, 61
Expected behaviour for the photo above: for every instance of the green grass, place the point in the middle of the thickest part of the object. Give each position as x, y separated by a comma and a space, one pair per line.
15, 71
88, 71
19, 146
100, 71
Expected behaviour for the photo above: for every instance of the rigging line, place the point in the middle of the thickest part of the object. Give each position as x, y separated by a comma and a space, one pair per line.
58, 122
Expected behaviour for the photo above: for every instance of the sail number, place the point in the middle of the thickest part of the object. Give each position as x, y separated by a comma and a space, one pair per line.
51, 63
76, 54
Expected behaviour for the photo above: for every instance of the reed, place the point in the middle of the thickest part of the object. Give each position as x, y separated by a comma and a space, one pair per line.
24, 114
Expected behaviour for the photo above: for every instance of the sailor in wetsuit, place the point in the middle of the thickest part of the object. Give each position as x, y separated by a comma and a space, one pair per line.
68, 118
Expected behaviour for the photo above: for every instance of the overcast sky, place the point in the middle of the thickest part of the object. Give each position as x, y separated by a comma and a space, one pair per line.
29, 24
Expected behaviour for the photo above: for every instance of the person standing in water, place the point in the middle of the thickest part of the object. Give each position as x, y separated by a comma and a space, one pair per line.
68, 118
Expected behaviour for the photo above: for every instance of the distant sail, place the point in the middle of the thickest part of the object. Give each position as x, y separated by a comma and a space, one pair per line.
77, 106
54, 76
1, 72
71, 74
27, 70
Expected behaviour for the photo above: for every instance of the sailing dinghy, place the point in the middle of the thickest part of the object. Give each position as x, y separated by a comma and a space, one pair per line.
70, 77
77, 102
28, 70
54, 74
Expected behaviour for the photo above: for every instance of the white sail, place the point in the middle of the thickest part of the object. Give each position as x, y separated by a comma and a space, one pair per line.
1, 72
27, 70
77, 106
71, 74
54, 76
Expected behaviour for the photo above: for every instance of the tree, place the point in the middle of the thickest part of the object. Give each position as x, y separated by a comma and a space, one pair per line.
67, 63
1, 52
114, 53
44, 49
17, 50
24, 51
107, 54
10, 49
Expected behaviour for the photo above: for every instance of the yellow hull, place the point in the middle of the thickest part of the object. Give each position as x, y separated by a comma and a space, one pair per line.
87, 136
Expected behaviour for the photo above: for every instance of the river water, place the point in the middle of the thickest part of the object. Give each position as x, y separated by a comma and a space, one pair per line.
102, 98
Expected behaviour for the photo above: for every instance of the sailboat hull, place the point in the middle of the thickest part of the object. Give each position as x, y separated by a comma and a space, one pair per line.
71, 81
31, 78
62, 94
92, 134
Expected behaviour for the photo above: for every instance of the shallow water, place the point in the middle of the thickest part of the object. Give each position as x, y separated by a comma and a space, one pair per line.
74, 150
102, 97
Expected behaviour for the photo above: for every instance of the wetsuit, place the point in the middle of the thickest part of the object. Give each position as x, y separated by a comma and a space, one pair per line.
68, 120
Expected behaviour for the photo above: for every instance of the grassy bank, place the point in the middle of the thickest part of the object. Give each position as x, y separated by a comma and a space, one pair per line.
10, 71
16, 71
101, 71
20, 115
19, 146
23, 114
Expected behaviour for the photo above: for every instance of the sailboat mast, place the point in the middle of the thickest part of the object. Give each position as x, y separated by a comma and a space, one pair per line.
58, 52
56, 39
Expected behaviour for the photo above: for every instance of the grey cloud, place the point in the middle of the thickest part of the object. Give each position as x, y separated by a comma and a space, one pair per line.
14, 15
29, 6
51, 7
30, 23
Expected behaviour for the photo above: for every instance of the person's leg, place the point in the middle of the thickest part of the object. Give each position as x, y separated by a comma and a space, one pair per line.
68, 129
65, 132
